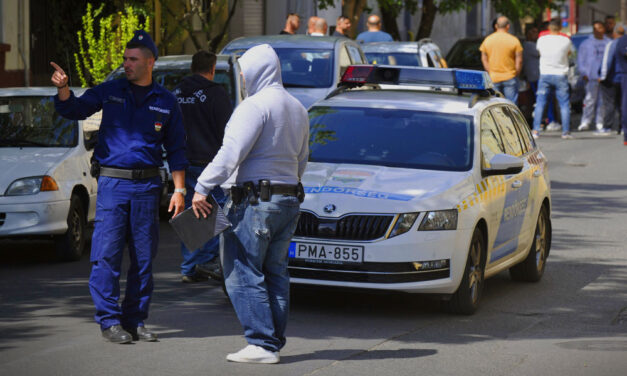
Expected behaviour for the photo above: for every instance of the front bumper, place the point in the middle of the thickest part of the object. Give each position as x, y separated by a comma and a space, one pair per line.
391, 264
27, 215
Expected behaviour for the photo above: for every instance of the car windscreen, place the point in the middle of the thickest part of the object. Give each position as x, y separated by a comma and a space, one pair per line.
396, 58
465, 54
391, 137
169, 78
33, 121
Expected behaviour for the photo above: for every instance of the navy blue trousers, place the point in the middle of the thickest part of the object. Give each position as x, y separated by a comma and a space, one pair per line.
127, 215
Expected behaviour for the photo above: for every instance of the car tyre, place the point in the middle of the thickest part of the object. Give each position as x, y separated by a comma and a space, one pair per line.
532, 267
70, 246
466, 299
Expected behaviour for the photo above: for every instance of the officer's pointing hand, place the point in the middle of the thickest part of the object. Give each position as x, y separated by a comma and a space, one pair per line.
201, 205
59, 78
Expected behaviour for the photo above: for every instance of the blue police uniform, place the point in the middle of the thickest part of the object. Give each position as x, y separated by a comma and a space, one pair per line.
130, 137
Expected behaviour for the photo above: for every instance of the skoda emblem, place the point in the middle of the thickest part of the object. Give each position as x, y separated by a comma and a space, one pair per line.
329, 208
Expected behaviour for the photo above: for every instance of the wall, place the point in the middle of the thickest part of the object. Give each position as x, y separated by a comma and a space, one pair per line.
10, 22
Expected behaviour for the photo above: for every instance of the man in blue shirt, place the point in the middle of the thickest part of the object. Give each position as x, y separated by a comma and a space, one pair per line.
374, 33
138, 117
609, 82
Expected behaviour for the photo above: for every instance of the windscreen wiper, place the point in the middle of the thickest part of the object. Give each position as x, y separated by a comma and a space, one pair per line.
24, 142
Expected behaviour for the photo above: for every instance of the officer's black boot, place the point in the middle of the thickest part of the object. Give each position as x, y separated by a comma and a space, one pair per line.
116, 334
142, 334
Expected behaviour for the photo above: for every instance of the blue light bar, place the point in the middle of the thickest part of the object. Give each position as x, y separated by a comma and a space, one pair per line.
461, 79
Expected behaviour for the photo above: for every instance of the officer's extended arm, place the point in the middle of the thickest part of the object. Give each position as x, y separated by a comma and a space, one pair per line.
60, 79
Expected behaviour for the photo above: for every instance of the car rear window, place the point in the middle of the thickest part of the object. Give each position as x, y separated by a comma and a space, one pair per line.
391, 137
33, 121
388, 58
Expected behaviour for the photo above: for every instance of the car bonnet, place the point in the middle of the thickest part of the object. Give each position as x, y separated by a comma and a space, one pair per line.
18, 163
364, 188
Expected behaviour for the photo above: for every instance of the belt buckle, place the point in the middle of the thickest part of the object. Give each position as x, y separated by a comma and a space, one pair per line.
136, 174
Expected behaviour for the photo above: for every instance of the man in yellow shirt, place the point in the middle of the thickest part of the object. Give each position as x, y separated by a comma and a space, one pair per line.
501, 55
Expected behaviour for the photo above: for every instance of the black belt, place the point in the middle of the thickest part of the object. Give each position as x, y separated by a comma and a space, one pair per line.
131, 174
262, 191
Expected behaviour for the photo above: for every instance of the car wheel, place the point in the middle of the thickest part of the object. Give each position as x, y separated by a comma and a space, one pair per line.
531, 268
466, 299
70, 245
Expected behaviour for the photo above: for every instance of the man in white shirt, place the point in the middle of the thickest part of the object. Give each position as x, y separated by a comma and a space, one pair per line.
554, 49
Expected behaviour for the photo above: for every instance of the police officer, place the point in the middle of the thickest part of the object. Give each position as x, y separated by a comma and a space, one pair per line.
267, 142
138, 117
206, 108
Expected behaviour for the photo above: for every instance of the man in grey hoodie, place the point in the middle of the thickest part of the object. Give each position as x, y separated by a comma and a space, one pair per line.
264, 152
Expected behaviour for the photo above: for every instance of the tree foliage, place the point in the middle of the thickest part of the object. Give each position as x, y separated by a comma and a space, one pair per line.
214, 17
102, 39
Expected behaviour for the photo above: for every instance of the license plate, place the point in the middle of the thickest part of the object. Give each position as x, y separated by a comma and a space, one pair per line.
327, 253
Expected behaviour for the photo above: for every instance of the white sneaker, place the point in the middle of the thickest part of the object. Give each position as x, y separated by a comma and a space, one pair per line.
567, 136
583, 127
599, 126
553, 126
254, 354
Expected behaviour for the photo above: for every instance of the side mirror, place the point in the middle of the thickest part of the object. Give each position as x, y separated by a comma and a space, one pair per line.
91, 139
504, 164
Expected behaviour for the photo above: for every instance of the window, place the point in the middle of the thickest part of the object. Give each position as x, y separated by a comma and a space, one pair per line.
523, 128
354, 54
391, 137
508, 131
491, 142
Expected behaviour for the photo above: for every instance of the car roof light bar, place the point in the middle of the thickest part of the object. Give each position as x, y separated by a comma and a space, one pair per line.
460, 79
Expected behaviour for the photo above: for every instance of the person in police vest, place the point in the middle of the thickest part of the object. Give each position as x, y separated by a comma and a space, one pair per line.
206, 108
138, 117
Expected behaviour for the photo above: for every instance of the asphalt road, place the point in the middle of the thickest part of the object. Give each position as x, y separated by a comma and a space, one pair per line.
573, 322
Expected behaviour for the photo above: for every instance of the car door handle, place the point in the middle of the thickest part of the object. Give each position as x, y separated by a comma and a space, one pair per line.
537, 173
517, 184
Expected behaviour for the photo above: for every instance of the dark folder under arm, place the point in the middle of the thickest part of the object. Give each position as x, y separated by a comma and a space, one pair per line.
195, 232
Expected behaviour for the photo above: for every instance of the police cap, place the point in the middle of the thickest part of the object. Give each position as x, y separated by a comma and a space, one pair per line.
143, 39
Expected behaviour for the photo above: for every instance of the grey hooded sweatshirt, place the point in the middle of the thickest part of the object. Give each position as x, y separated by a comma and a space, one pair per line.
267, 136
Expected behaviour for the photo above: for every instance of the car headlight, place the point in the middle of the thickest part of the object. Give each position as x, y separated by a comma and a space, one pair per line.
31, 186
403, 224
439, 220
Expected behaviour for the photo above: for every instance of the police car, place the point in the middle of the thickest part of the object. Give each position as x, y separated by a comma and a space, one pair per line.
421, 180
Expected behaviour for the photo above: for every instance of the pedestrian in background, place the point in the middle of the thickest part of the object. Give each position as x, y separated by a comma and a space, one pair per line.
621, 71
292, 23
531, 60
138, 117
502, 58
610, 23
589, 58
610, 85
320, 27
554, 50
311, 22
206, 108
266, 146
342, 26
374, 33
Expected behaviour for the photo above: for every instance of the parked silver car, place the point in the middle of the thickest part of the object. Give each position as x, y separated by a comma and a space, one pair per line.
424, 53
311, 67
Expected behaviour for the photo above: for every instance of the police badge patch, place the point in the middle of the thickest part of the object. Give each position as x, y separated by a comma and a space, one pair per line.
158, 126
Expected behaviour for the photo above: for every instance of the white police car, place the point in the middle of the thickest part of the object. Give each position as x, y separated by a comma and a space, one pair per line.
45, 186
421, 180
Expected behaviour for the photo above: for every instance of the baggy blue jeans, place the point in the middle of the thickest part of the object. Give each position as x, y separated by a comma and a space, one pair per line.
546, 83
255, 258
509, 88
211, 249
127, 213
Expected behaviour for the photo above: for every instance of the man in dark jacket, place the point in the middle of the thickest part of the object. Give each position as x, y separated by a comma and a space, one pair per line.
206, 108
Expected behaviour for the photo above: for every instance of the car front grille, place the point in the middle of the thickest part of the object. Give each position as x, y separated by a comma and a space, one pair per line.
367, 272
349, 227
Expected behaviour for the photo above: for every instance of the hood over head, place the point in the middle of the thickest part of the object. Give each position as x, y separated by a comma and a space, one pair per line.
261, 68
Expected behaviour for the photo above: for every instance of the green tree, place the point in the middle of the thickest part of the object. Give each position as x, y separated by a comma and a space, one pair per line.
102, 39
